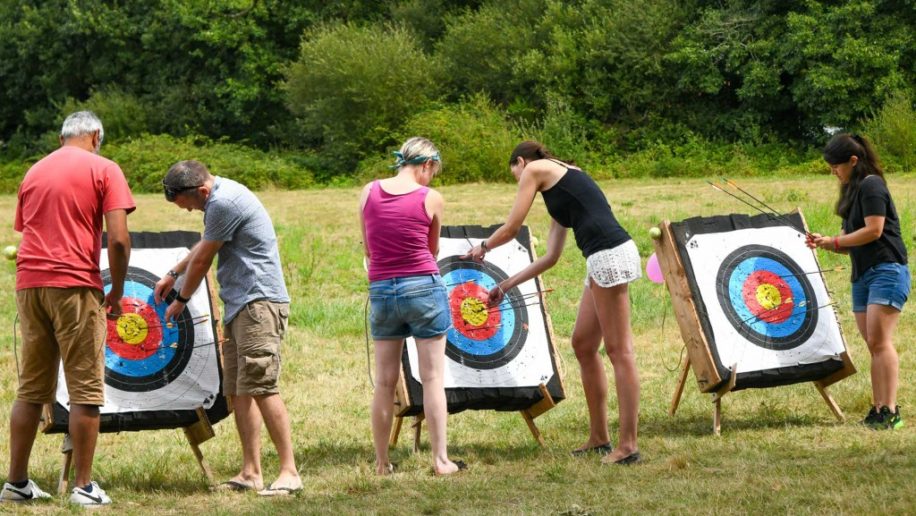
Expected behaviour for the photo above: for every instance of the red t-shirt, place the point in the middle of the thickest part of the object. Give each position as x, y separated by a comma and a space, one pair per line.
62, 202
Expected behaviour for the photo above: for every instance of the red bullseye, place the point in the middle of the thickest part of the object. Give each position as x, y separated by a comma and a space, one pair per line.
470, 314
768, 296
137, 333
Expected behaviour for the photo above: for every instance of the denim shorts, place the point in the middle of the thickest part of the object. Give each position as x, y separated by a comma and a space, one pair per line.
883, 284
410, 306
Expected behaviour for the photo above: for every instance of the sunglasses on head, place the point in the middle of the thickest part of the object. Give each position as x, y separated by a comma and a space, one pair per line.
171, 192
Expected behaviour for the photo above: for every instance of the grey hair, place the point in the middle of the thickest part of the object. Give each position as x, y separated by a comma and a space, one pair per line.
416, 147
80, 123
186, 174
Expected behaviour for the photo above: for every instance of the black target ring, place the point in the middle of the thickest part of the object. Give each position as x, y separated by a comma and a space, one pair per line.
182, 330
483, 350
754, 270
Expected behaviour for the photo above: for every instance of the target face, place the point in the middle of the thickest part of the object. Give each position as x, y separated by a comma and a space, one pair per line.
767, 296
763, 298
149, 365
482, 337
505, 346
142, 352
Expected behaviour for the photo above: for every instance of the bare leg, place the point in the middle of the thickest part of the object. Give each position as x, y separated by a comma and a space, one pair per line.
276, 418
885, 365
84, 433
432, 369
387, 371
586, 342
248, 423
613, 308
862, 324
24, 420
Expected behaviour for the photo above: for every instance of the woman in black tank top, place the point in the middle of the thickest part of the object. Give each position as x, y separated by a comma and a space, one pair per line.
575, 201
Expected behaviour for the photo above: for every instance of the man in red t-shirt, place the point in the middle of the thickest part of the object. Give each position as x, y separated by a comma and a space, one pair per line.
63, 200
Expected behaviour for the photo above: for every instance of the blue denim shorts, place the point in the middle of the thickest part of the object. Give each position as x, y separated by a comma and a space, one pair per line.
410, 306
883, 284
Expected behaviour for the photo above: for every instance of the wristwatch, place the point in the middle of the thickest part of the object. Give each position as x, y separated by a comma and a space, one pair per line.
181, 299
173, 274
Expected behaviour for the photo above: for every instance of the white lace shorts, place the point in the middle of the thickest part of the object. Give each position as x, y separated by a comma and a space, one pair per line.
615, 266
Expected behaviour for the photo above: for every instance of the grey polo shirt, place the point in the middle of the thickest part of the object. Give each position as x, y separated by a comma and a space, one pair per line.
249, 260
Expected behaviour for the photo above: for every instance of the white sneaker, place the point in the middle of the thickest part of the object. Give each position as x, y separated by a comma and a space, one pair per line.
96, 496
28, 493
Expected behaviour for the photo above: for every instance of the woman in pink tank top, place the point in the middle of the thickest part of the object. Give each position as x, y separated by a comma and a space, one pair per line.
400, 218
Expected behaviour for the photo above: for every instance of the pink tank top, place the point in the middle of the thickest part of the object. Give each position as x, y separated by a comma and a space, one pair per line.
397, 233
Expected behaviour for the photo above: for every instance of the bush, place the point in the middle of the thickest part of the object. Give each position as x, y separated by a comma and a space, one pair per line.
122, 114
893, 130
354, 86
146, 160
474, 138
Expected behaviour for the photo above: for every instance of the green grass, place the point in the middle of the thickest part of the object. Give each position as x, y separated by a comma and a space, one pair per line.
781, 451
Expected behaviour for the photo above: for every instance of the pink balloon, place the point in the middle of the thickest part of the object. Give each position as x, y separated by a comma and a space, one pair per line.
653, 270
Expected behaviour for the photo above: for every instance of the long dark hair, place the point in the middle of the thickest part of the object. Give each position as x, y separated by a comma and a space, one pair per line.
532, 150
840, 149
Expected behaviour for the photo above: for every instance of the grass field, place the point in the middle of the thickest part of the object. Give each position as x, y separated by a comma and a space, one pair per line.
781, 450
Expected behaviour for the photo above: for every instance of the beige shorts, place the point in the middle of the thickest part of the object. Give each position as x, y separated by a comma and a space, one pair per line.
61, 324
612, 267
251, 353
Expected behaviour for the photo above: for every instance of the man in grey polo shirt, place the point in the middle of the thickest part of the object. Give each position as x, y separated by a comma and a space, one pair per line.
239, 230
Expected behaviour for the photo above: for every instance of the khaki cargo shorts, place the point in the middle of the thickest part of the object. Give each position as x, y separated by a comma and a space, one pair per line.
62, 324
251, 353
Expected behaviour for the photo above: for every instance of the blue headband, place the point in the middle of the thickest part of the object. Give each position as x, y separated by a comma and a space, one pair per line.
416, 160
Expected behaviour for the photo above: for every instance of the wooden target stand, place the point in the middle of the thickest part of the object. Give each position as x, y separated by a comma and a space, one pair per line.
402, 399
699, 357
196, 433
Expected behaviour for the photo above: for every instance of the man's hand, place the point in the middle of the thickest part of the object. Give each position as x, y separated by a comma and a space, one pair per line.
113, 302
162, 288
173, 311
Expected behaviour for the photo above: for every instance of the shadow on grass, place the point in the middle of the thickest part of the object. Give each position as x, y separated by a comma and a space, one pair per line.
699, 425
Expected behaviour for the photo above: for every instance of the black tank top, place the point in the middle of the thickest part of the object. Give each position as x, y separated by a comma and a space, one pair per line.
577, 202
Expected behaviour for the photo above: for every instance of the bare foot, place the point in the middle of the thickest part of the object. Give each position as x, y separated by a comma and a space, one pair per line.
449, 467
253, 482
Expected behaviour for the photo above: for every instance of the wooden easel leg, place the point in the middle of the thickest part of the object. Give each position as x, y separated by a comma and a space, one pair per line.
526, 415
417, 426
830, 402
196, 434
395, 431
679, 388
717, 417
63, 483
546, 403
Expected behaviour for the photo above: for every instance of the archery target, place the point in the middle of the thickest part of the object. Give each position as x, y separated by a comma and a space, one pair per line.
503, 346
482, 337
767, 304
149, 364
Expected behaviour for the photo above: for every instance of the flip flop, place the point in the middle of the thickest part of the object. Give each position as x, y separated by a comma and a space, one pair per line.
279, 491
629, 460
233, 485
601, 449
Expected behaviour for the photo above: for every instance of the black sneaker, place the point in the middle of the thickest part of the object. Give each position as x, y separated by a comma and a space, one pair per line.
871, 418
891, 420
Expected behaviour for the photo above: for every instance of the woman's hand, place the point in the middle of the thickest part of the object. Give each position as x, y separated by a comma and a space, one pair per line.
476, 253
495, 297
815, 240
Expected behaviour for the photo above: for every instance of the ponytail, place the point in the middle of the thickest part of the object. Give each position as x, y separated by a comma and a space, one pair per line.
531, 151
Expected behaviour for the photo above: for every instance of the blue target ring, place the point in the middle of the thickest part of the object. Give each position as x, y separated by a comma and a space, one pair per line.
736, 283
171, 350
767, 329
467, 343
499, 340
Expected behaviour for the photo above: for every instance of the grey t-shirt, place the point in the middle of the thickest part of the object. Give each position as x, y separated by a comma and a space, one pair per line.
249, 260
